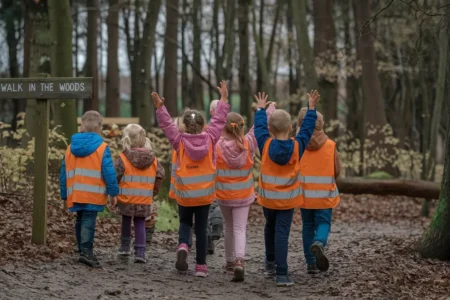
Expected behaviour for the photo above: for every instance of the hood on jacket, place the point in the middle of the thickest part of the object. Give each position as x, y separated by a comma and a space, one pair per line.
140, 158
233, 156
317, 140
85, 143
196, 145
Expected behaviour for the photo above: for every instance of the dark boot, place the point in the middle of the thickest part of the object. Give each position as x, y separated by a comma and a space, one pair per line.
89, 259
321, 260
125, 246
139, 255
211, 246
312, 269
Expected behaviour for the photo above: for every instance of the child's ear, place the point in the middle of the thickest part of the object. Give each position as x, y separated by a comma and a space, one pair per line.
290, 128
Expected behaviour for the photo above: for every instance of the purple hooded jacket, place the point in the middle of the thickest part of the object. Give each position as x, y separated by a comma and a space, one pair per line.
196, 145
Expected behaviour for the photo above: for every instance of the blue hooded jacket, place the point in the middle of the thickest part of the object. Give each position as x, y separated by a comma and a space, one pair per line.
280, 151
84, 144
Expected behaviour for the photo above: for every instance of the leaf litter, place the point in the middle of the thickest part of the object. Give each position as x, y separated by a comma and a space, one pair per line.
371, 251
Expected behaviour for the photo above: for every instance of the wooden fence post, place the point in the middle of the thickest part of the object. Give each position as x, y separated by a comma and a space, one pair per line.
39, 232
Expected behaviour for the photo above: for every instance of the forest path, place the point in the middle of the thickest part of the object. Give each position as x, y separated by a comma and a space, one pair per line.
368, 260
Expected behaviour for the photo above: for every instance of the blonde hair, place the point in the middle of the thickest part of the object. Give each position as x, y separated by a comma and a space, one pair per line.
235, 127
91, 121
280, 121
319, 121
213, 106
134, 136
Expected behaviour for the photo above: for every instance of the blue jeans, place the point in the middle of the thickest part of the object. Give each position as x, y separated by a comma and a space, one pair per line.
316, 228
85, 230
276, 237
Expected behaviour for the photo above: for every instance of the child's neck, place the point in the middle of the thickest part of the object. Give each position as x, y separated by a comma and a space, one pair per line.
282, 136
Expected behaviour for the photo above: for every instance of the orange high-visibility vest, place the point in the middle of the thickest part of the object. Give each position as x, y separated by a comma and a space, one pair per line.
194, 180
137, 185
234, 184
280, 186
317, 175
172, 174
84, 178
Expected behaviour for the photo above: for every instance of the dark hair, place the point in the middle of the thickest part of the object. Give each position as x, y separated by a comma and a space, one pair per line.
235, 126
193, 121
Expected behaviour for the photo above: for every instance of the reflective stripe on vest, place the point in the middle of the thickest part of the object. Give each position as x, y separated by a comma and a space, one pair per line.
173, 174
84, 180
319, 185
235, 186
86, 188
136, 185
194, 181
233, 173
135, 192
195, 193
141, 179
280, 186
83, 172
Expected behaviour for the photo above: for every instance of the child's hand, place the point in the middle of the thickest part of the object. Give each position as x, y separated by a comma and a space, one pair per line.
313, 98
223, 91
113, 202
159, 102
271, 103
261, 100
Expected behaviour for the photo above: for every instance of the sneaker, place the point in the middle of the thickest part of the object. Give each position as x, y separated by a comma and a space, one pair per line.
312, 269
239, 271
125, 244
321, 260
149, 235
89, 260
201, 270
139, 255
229, 266
182, 253
269, 269
284, 280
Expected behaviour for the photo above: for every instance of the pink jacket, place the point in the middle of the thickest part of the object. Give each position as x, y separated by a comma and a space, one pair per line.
196, 145
235, 158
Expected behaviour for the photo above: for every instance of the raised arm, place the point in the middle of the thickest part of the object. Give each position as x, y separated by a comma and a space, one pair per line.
250, 136
261, 129
219, 120
166, 123
309, 122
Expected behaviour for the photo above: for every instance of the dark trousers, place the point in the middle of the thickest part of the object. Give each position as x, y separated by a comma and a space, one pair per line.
139, 230
85, 230
276, 237
201, 222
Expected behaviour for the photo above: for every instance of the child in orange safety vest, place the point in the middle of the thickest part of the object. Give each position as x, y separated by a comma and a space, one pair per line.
280, 183
87, 178
139, 175
194, 180
319, 168
235, 188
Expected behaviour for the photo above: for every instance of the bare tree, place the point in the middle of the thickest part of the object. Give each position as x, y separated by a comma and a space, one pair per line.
113, 74
244, 57
197, 32
91, 67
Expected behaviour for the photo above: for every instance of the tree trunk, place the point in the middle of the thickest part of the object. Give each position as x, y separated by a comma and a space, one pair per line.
374, 105
184, 66
399, 187
135, 101
147, 45
171, 58
325, 55
113, 73
244, 57
304, 47
61, 59
91, 54
197, 84
261, 85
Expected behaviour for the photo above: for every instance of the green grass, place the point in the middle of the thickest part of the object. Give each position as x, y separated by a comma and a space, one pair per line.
379, 175
167, 216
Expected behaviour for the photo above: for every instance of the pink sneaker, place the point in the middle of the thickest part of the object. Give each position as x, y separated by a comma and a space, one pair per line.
182, 253
201, 270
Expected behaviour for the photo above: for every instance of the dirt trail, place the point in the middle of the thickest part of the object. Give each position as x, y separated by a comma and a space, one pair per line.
368, 260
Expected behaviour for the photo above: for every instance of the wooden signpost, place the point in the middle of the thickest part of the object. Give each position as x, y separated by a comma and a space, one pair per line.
43, 89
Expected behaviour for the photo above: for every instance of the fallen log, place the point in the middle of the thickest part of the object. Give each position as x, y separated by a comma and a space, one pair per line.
398, 187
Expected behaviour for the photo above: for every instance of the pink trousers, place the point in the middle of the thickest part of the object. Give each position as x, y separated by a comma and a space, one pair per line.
235, 231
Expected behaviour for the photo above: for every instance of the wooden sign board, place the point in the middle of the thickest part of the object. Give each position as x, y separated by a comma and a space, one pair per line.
46, 88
